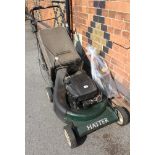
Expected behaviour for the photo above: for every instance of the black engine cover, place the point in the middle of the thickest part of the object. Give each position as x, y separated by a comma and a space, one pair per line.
81, 87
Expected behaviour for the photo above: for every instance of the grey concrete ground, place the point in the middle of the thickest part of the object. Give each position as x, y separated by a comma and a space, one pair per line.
44, 134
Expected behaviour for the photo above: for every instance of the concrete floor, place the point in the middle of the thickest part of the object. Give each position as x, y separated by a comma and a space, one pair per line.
44, 134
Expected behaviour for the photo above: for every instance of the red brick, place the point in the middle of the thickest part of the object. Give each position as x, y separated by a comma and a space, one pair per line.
77, 2
107, 21
120, 72
127, 69
91, 11
117, 63
83, 33
118, 6
105, 13
84, 38
117, 24
117, 31
127, 26
83, 27
112, 14
126, 34
123, 51
84, 44
91, 3
84, 9
76, 8
110, 29
120, 41
122, 16
83, 15
108, 57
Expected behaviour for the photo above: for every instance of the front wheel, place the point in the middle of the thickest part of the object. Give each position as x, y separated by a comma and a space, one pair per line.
70, 136
123, 116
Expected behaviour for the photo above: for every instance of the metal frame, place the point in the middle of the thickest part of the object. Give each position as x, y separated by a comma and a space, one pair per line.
34, 21
67, 22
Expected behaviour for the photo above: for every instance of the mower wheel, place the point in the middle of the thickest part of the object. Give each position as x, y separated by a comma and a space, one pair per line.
123, 115
70, 136
49, 93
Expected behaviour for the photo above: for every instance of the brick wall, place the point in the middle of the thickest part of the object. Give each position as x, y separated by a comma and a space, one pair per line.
105, 24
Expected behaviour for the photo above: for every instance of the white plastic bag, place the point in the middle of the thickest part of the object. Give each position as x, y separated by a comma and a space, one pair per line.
101, 74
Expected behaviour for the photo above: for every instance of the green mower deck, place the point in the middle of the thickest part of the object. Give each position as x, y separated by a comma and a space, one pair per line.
87, 121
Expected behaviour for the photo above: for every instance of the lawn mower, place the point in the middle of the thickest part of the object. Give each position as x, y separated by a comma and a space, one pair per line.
76, 98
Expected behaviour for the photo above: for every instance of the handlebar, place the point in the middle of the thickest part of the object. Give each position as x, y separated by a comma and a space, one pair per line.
34, 21
43, 8
58, 1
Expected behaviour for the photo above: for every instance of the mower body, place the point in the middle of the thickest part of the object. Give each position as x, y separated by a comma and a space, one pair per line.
76, 98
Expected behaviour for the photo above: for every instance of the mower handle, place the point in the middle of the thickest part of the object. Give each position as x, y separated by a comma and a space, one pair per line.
58, 1
42, 8
34, 20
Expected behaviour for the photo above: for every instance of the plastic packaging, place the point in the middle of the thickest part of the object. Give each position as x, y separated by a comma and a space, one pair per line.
101, 74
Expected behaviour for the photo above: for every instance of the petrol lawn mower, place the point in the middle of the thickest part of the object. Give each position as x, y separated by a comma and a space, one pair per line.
76, 98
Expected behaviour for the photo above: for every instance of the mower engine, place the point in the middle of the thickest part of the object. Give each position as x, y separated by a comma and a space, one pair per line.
82, 92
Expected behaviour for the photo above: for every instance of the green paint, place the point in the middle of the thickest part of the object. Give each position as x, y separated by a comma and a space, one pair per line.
96, 117
88, 114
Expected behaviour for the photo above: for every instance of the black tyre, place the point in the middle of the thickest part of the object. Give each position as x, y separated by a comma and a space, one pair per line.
49, 94
70, 136
123, 116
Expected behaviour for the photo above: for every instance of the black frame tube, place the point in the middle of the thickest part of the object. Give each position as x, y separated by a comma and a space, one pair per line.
35, 21
68, 16
58, 2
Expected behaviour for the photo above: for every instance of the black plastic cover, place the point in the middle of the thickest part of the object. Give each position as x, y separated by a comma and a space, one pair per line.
81, 87
59, 96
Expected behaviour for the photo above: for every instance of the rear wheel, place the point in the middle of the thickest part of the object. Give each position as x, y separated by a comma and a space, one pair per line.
123, 116
70, 136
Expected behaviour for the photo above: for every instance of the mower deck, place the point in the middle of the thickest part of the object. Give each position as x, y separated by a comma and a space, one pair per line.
96, 117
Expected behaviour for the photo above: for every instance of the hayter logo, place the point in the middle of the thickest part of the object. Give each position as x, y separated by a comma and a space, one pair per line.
97, 124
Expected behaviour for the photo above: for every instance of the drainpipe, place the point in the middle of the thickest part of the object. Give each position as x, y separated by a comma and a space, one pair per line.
68, 16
